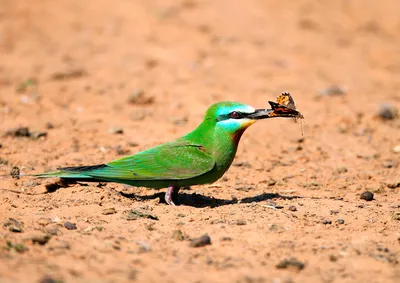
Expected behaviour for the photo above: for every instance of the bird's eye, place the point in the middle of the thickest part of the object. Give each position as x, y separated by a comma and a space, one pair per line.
235, 115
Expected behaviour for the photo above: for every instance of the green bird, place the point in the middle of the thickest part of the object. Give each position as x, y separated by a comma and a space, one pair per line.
200, 157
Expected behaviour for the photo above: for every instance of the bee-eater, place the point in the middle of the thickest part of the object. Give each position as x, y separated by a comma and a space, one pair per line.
200, 157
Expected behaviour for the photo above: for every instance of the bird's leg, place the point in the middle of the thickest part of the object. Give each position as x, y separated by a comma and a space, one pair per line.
171, 196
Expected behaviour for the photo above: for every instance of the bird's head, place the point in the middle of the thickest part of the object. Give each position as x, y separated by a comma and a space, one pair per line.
233, 117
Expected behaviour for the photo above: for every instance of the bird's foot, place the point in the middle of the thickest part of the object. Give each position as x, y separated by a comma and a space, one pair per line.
171, 196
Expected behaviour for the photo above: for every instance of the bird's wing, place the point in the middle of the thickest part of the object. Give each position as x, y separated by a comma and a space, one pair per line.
171, 161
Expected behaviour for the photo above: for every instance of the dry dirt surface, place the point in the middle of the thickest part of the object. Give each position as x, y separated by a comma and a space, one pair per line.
86, 82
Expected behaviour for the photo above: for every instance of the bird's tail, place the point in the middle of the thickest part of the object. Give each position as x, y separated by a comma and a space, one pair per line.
71, 173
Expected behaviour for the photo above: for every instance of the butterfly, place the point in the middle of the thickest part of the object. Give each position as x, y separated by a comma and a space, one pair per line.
285, 106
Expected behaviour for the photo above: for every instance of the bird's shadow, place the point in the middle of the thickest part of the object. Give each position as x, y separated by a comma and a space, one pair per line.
199, 201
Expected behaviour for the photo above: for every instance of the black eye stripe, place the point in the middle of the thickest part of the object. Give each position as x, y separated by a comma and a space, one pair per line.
232, 115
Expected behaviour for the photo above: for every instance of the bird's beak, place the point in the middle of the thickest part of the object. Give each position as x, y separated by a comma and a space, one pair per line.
260, 114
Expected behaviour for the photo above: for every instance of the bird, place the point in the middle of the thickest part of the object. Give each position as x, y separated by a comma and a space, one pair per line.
199, 157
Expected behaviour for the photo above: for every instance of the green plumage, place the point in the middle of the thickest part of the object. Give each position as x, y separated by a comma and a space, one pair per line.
199, 157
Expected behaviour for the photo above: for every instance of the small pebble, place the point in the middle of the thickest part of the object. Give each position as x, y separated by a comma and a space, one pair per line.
139, 97
341, 170
326, 221
389, 164
116, 131
290, 263
387, 111
53, 230
226, 239
109, 211
201, 241
15, 172
340, 221
18, 132
37, 135
49, 279
396, 149
37, 237
13, 225
240, 222
333, 90
367, 195
393, 185
292, 208
70, 226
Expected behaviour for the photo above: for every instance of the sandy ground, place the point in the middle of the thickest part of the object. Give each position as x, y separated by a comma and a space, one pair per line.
97, 80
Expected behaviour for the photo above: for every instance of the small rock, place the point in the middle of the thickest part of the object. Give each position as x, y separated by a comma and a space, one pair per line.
37, 237
3, 161
69, 74
396, 215
37, 135
291, 263
240, 222
49, 126
109, 211
70, 226
387, 111
138, 96
271, 182
121, 151
49, 279
15, 172
201, 241
18, 132
396, 149
367, 195
341, 170
53, 230
13, 225
292, 208
178, 235
389, 163
226, 239
333, 90
333, 258
340, 221
116, 131
393, 185
44, 221
326, 221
